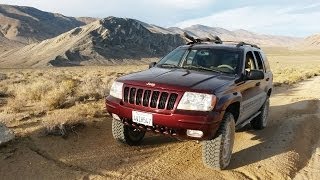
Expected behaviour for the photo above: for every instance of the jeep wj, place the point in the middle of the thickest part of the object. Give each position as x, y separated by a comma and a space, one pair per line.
202, 91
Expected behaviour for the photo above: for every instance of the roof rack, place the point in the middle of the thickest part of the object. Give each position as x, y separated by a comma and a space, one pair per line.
216, 40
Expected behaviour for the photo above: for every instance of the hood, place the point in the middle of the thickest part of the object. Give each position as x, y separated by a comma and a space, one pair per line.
178, 79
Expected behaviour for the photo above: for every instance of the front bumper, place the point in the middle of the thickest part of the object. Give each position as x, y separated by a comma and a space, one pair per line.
178, 121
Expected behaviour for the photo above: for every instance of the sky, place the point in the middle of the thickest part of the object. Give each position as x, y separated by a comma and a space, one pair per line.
276, 17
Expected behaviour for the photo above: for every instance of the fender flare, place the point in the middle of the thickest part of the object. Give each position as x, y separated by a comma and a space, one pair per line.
227, 99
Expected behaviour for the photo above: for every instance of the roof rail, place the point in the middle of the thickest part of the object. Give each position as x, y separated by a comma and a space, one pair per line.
239, 44
193, 40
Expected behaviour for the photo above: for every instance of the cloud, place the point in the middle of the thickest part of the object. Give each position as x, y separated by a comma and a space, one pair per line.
266, 19
273, 16
160, 12
183, 4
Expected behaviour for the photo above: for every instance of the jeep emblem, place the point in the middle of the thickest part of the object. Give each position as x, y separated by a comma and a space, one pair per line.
151, 84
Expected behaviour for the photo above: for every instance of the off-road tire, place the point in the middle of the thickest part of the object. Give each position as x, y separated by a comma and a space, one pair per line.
126, 134
216, 153
260, 122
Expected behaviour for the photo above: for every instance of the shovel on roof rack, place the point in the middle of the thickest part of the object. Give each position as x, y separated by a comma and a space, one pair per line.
213, 39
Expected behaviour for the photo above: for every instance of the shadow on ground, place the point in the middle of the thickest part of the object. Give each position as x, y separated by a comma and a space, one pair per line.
292, 127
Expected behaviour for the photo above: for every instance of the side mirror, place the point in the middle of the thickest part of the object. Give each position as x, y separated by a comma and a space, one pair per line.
255, 75
151, 65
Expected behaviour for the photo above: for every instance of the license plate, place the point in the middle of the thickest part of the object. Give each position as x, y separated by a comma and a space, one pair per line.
142, 118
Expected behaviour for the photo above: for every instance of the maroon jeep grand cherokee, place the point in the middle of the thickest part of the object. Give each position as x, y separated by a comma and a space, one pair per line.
201, 91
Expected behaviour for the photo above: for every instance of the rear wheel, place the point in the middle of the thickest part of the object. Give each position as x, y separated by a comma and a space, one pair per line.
216, 153
126, 134
260, 122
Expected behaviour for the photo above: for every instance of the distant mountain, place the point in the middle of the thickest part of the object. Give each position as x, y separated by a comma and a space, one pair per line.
33, 38
238, 35
87, 20
107, 41
28, 25
311, 42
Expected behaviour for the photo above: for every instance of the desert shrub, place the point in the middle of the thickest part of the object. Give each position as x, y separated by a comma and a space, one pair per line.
58, 120
3, 91
3, 77
59, 94
294, 73
14, 106
90, 88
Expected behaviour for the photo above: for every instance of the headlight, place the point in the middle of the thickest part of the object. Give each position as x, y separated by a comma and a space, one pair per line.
116, 90
197, 101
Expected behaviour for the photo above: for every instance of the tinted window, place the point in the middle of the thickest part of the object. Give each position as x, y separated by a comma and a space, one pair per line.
259, 61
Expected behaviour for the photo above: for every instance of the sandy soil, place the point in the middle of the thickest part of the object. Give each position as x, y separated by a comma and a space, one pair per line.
289, 148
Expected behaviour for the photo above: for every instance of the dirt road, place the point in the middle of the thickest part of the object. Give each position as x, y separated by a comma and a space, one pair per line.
288, 148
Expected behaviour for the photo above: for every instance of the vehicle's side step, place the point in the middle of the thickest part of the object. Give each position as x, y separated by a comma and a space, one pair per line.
244, 123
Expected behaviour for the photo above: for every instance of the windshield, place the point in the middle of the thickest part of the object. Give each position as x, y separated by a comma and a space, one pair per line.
221, 60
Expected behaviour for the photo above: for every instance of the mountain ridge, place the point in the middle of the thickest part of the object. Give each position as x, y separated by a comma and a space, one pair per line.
107, 41
28, 25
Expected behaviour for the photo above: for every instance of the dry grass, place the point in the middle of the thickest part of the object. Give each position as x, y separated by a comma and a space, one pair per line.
290, 66
66, 95
63, 118
62, 97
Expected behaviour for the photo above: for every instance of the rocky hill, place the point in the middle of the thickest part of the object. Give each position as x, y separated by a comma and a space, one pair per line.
108, 41
238, 35
28, 25
311, 42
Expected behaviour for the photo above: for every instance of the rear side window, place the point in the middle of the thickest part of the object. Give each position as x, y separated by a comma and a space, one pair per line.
265, 60
250, 63
259, 60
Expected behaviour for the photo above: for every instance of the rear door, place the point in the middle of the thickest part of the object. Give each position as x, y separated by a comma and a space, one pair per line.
252, 94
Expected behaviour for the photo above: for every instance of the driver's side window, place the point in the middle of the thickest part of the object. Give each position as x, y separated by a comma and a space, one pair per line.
250, 63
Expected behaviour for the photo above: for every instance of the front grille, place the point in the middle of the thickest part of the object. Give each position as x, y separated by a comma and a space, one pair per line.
150, 98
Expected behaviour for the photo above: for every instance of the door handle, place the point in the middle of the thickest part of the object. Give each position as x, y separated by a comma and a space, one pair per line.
258, 84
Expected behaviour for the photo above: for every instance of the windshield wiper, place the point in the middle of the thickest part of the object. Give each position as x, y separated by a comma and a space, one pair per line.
200, 67
168, 65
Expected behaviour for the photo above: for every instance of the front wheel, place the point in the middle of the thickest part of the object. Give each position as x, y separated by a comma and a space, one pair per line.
126, 134
216, 153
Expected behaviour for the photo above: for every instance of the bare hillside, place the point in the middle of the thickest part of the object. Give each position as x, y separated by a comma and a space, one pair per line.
28, 24
108, 41
312, 42
239, 35
7, 45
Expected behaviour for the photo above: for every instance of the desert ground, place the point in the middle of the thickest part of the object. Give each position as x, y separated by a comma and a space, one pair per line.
63, 132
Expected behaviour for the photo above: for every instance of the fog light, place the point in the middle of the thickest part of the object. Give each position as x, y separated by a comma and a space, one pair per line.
194, 133
116, 117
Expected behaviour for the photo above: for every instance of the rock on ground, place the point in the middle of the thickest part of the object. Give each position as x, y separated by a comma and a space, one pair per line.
6, 134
